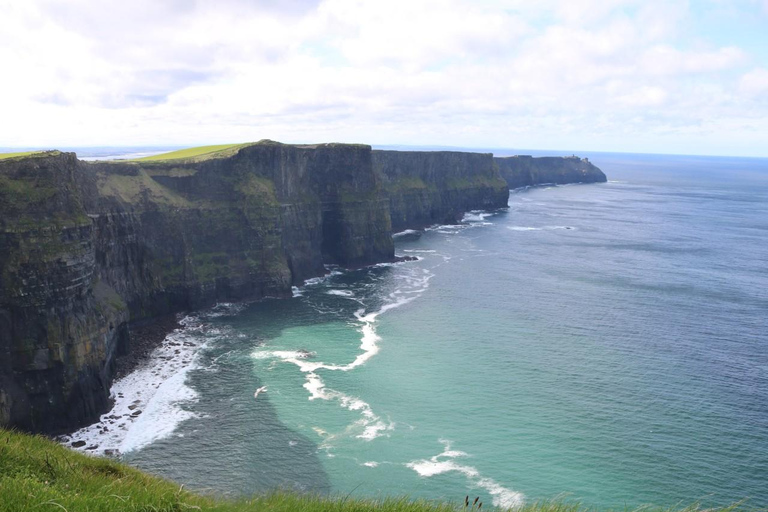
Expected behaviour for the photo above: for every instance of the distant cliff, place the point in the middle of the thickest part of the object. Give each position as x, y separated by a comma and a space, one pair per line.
522, 171
426, 188
88, 250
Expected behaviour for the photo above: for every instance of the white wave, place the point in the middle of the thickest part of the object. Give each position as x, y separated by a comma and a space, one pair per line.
281, 354
406, 233
296, 291
419, 250
162, 414
317, 280
476, 216
446, 227
444, 463
341, 293
224, 309
528, 228
370, 425
371, 464
149, 402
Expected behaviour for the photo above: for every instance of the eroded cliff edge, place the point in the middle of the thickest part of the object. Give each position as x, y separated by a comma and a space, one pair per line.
89, 249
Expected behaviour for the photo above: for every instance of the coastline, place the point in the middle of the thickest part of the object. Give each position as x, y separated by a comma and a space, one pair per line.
160, 342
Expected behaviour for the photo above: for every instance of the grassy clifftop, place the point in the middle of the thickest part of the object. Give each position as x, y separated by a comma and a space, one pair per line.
37, 474
4, 156
196, 154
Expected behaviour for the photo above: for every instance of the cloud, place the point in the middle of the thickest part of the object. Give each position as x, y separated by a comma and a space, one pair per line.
667, 60
417, 71
755, 83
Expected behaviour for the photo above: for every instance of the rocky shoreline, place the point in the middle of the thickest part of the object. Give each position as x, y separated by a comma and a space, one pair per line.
145, 339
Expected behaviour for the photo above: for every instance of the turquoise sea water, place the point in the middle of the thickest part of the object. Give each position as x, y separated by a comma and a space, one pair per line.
607, 343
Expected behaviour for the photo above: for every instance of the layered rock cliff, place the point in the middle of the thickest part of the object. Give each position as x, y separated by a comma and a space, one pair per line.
525, 171
437, 187
89, 249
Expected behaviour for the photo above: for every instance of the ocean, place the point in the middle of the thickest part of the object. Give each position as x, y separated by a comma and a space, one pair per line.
604, 343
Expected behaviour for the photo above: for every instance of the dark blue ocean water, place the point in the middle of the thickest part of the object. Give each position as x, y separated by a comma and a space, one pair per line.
607, 343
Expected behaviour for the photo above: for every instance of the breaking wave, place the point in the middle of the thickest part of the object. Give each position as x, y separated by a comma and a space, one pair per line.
446, 462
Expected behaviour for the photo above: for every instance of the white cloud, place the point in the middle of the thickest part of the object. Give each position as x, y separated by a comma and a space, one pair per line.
755, 83
419, 71
666, 60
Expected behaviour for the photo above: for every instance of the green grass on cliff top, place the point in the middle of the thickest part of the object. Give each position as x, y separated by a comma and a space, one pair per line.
196, 154
3, 156
37, 474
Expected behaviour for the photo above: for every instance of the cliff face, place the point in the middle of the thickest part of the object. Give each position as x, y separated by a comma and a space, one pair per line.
522, 171
438, 187
60, 326
89, 249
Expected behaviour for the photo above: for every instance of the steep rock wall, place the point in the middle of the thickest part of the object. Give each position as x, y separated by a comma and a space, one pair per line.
88, 249
525, 171
437, 187
60, 326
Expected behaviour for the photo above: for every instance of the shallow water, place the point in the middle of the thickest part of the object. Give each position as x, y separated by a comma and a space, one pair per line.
607, 342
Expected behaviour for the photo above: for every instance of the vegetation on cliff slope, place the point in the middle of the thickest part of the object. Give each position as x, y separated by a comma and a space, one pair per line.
37, 474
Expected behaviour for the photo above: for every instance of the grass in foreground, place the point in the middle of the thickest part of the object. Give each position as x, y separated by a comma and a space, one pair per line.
196, 154
37, 474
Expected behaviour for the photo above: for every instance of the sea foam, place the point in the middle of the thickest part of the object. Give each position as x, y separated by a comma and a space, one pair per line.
445, 462
149, 402
370, 425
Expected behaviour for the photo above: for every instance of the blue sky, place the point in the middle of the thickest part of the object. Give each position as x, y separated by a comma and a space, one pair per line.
655, 76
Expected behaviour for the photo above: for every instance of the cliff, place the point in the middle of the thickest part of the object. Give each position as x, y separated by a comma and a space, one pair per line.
438, 187
88, 250
523, 171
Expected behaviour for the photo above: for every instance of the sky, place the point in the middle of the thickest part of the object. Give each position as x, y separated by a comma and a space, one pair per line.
684, 77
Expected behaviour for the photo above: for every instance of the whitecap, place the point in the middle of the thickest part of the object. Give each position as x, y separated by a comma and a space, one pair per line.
444, 463
341, 293
224, 309
332, 271
523, 228
281, 354
407, 232
476, 216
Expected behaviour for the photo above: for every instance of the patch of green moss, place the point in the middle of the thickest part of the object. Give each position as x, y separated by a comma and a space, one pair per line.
210, 265
173, 172
107, 296
140, 188
256, 188
474, 182
406, 183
